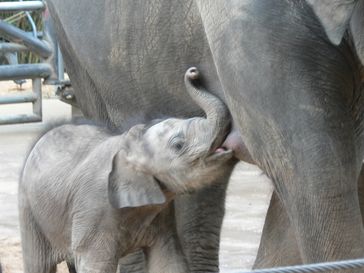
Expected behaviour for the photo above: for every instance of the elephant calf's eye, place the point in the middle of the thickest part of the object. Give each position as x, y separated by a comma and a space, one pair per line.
177, 145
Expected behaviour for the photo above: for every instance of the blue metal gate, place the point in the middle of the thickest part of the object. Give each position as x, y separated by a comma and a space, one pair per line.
15, 40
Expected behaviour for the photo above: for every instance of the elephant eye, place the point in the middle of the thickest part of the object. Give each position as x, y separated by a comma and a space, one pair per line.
177, 144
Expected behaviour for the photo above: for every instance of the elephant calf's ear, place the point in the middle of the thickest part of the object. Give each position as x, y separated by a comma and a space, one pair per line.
334, 16
357, 29
130, 188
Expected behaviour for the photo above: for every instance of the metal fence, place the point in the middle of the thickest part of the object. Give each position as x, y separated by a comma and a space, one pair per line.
314, 268
15, 40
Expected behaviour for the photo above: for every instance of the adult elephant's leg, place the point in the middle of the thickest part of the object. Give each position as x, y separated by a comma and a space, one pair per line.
71, 267
278, 246
199, 219
294, 96
361, 191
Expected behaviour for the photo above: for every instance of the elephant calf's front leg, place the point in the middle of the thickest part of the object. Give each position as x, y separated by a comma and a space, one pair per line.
91, 263
165, 254
133, 263
100, 257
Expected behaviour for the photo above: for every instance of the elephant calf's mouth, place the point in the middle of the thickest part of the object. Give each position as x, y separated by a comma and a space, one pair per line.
221, 149
220, 154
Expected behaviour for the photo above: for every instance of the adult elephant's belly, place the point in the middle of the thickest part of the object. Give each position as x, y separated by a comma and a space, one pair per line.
126, 59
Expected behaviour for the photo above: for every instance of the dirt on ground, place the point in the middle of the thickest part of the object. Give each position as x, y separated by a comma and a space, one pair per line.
11, 88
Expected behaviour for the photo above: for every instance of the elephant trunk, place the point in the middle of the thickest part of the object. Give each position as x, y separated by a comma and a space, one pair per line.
217, 114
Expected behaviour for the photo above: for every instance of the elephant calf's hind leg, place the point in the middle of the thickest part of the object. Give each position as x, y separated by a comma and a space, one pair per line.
37, 253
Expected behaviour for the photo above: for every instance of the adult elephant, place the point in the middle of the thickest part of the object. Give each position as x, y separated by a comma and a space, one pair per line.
291, 75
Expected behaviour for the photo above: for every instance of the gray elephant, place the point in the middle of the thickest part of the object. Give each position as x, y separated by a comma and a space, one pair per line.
89, 196
291, 73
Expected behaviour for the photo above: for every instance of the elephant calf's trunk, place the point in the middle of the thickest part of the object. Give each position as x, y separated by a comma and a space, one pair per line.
217, 114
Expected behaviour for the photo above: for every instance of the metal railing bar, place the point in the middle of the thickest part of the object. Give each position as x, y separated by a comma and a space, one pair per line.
12, 47
31, 22
9, 99
60, 67
21, 6
24, 71
17, 35
11, 119
37, 91
314, 268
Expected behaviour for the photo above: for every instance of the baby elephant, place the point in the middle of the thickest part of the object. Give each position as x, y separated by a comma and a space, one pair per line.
90, 197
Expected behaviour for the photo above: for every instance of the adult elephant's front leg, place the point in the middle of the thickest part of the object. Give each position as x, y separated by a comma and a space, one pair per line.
294, 97
278, 245
199, 219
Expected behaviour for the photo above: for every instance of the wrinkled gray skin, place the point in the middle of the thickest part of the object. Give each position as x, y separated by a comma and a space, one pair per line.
291, 75
90, 197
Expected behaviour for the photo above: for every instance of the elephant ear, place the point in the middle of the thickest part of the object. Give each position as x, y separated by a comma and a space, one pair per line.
357, 29
334, 16
130, 188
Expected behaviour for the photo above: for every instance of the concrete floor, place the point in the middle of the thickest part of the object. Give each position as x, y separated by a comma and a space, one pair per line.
247, 200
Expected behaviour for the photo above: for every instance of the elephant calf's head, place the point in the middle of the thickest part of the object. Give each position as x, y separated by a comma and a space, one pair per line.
173, 154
